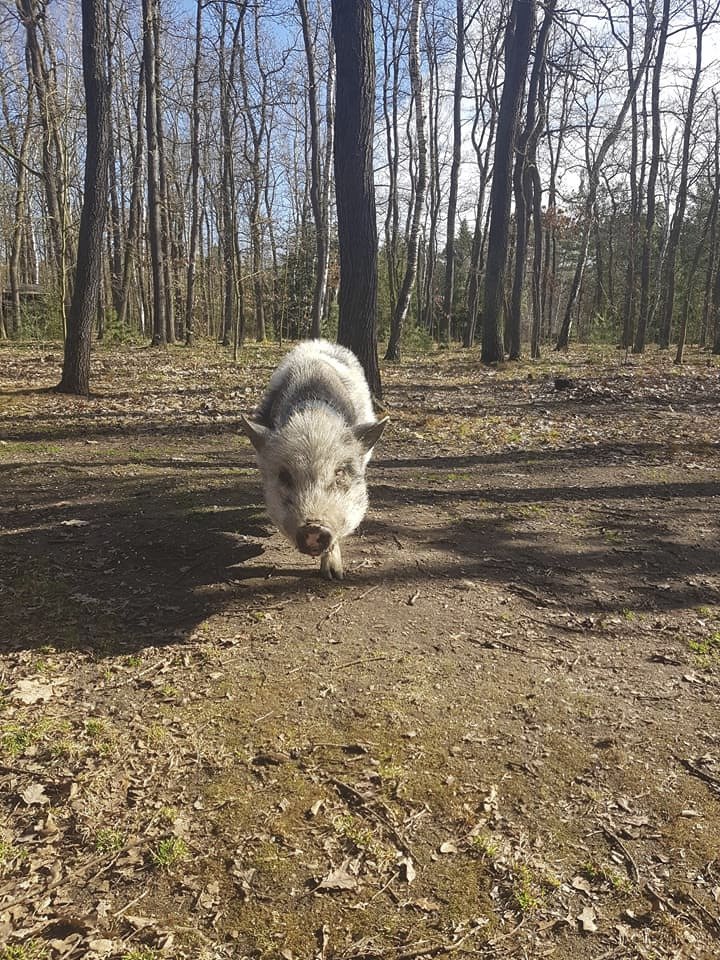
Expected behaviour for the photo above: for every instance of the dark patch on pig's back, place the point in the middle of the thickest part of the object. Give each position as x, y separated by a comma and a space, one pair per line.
293, 394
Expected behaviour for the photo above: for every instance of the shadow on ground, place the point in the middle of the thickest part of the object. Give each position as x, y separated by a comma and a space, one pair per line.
130, 549
111, 564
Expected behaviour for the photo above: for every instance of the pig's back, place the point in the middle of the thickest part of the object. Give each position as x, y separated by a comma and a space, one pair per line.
317, 372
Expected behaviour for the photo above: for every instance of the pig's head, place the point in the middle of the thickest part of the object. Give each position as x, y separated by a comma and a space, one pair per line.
313, 470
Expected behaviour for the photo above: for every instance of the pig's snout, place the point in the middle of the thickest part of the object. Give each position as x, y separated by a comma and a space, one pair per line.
313, 538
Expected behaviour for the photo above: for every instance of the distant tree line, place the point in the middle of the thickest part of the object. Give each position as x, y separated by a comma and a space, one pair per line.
541, 171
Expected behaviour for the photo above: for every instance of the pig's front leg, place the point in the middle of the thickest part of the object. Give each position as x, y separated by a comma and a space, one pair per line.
331, 563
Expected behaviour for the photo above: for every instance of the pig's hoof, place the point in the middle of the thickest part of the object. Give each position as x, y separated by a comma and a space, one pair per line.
331, 564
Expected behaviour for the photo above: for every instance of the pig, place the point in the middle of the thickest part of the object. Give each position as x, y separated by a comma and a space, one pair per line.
313, 433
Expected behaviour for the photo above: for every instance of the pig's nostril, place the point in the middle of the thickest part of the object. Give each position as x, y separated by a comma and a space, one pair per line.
313, 539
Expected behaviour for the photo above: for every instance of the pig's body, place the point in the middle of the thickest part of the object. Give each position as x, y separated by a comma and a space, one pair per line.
314, 432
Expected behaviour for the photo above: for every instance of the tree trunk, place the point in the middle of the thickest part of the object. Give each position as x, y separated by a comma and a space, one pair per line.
699, 249
518, 37
712, 257
454, 173
549, 270
164, 193
427, 309
115, 258
668, 275
628, 307
352, 26
86, 289
650, 211
227, 213
485, 99
392, 41
17, 233
403, 300
321, 238
327, 166
523, 183
594, 178
195, 180
155, 228
135, 217
256, 122
32, 15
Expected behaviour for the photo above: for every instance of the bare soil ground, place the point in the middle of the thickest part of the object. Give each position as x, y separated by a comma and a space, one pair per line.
498, 737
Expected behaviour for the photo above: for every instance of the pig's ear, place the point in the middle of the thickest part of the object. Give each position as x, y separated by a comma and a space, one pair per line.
369, 433
255, 431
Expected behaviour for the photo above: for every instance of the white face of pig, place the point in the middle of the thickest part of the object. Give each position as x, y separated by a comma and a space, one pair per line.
313, 471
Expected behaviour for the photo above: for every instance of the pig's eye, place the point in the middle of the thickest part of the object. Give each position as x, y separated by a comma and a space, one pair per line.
342, 474
285, 478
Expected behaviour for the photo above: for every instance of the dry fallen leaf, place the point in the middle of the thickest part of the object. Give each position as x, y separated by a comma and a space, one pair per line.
48, 828
407, 869
586, 918
102, 946
448, 847
32, 691
340, 879
581, 883
425, 904
243, 877
35, 793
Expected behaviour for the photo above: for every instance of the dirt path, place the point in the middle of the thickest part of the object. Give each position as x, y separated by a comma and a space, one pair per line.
498, 737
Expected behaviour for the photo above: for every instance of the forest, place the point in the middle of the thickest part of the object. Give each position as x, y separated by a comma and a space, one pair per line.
221, 217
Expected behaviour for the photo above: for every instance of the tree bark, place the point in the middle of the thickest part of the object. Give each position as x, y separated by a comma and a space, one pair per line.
454, 173
485, 98
194, 180
155, 200
518, 37
523, 182
691, 272
115, 259
33, 17
434, 198
86, 289
650, 210
164, 191
134, 220
668, 273
628, 307
420, 186
321, 237
352, 27
256, 122
17, 233
392, 43
715, 312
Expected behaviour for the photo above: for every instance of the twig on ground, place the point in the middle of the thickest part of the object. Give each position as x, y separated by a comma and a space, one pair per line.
339, 606
354, 663
632, 866
137, 676
698, 772
122, 910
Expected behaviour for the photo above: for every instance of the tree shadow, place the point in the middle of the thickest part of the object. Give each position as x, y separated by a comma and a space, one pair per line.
115, 564
591, 454
110, 555
612, 546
